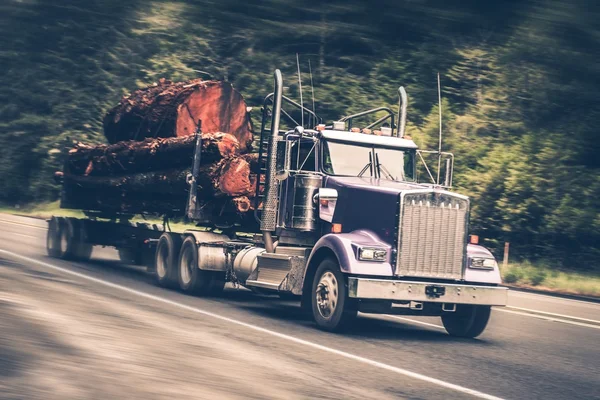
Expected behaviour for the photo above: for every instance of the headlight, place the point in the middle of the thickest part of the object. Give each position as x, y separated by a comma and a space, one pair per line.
483, 263
372, 254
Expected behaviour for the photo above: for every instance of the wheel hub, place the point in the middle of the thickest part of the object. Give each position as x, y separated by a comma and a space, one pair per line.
327, 294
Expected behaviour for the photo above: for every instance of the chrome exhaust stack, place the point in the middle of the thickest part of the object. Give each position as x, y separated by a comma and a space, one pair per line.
269, 215
402, 104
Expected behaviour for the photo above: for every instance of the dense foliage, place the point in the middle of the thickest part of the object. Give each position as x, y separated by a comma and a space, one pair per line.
521, 84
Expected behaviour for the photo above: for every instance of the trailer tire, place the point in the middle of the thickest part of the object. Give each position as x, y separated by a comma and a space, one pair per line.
72, 243
192, 279
332, 309
166, 256
53, 238
468, 321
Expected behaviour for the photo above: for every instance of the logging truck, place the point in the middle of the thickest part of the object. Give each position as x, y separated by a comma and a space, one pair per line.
340, 223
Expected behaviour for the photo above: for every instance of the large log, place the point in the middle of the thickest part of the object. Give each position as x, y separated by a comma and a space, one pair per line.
168, 109
147, 155
230, 177
226, 188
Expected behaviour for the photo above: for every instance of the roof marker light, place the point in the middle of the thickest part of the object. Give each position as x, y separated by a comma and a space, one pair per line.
339, 125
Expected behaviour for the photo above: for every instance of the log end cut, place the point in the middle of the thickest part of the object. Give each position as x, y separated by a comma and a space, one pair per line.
171, 109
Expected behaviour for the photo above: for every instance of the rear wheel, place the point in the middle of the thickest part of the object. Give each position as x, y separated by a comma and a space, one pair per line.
467, 321
332, 309
167, 250
53, 238
70, 240
191, 278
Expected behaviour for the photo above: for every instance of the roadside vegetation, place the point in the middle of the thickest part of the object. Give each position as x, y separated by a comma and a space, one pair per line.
543, 277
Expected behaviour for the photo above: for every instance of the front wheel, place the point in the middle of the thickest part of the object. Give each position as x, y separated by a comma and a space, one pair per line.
467, 321
332, 309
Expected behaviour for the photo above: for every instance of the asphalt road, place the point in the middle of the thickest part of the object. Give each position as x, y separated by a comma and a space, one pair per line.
101, 330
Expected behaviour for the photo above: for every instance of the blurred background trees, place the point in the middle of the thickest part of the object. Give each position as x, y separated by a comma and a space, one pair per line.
521, 84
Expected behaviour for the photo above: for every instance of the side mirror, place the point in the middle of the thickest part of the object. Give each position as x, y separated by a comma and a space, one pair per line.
284, 159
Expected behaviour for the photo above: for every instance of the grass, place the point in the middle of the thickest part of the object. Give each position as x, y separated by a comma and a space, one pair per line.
540, 276
47, 210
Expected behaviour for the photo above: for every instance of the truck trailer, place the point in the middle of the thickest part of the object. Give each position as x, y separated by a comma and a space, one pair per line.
340, 223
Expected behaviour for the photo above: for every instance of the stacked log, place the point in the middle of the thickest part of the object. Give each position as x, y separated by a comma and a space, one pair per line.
173, 109
147, 163
150, 176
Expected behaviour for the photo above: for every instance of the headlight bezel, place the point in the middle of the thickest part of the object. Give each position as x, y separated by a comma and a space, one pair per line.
373, 254
483, 263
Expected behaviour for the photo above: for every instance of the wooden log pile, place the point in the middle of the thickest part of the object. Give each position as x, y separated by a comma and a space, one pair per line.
173, 109
146, 165
150, 176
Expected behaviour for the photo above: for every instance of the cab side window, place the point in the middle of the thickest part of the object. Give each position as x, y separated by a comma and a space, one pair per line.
307, 159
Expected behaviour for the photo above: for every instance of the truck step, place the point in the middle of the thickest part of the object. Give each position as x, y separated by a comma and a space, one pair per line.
262, 285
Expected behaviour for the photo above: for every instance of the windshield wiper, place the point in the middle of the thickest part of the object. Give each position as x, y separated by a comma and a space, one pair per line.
369, 165
381, 167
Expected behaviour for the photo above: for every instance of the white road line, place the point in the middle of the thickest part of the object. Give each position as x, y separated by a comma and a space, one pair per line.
554, 314
24, 235
518, 293
22, 224
373, 363
416, 322
547, 318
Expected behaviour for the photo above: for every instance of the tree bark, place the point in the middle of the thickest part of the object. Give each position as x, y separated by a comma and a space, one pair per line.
226, 185
149, 154
168, 109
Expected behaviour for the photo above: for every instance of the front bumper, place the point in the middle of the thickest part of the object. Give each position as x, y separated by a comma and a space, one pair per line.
381, 289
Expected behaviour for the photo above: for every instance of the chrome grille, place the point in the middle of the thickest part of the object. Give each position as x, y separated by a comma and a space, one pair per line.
432, 234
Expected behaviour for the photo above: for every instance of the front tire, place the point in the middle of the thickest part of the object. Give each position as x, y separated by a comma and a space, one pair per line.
467, 321
332, 309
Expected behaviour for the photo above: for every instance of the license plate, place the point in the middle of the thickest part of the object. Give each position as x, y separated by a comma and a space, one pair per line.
435, 291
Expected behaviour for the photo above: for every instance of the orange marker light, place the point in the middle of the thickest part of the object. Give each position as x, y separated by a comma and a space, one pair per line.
324, 202
473, 239
336, 228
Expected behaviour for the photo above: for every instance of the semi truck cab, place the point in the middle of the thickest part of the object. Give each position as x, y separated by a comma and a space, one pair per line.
345, 202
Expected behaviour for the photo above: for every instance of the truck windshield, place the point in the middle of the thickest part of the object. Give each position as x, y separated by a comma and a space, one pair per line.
352, 160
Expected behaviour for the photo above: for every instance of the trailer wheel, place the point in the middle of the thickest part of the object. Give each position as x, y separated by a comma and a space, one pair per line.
191, 278
71, 240
332, 309
53, 238
166, 254
468, 321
